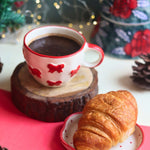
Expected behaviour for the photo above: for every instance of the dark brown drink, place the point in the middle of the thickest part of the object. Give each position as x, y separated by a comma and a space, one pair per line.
55, 45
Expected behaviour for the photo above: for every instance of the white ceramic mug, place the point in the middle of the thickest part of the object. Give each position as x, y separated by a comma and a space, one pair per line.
55, 71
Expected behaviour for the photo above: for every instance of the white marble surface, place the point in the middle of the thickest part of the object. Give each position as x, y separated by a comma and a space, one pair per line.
113, 74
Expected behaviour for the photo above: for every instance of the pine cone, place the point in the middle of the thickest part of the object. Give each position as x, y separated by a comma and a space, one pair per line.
141, 72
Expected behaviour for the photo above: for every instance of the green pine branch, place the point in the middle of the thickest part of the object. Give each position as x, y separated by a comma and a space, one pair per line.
9, 19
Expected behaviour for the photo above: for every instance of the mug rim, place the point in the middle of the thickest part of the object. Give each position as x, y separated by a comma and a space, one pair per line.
54, 26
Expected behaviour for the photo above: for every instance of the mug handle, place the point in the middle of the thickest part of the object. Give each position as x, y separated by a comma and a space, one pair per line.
98, 50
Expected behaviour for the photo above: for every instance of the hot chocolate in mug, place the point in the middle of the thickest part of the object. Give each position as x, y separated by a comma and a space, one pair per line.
54, 54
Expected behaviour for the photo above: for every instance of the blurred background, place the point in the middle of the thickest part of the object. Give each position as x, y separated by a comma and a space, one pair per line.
16, 15
124, 24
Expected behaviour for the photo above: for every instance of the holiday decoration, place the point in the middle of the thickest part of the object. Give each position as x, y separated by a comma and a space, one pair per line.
78, 13
123, 8
141, 72
124, 28
140, 43
10, 20
73, 11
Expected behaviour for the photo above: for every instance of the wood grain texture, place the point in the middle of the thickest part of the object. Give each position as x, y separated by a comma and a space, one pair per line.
52, 104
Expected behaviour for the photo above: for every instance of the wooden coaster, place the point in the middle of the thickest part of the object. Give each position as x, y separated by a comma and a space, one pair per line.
52, 104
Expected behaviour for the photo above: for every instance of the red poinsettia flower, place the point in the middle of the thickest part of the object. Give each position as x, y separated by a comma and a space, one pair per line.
140, 44
123, 8
19, 4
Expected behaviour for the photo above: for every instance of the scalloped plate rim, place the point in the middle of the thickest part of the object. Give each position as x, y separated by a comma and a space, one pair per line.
69, 147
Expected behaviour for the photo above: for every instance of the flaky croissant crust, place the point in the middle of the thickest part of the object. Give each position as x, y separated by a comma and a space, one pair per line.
107, 120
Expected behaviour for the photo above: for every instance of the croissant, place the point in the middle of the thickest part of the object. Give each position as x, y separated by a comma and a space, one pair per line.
107, 120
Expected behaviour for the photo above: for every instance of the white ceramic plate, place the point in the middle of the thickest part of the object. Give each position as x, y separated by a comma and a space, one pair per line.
133, 142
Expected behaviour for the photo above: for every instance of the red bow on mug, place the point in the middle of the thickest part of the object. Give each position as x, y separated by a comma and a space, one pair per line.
53, 68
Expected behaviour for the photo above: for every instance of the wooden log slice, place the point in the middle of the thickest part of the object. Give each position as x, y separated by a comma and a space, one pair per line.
52, 104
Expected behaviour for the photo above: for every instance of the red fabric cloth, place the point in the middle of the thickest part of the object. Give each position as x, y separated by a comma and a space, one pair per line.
19, 132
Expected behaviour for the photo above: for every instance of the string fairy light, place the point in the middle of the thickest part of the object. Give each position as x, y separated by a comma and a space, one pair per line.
94, 22
3, 36
37, 1
32, 15
37, 23
70, 25
92, 16
18, 11
37, 17
88, 23
58, 4
39, 6
81, 26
